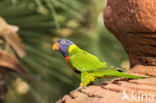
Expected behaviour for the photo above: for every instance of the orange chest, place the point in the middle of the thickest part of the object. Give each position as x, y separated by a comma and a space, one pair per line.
68, 62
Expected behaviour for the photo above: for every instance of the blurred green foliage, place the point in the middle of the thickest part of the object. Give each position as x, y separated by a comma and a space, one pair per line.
41, 23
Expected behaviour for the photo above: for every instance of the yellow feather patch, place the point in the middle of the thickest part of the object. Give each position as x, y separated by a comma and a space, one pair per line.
71, 47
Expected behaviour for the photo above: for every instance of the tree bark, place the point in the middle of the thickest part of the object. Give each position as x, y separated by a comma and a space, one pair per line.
133, 22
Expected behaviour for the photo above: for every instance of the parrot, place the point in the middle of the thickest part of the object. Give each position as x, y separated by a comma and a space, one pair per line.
87, 65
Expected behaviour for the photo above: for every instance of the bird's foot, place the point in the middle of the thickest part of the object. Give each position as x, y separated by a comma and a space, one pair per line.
82, 85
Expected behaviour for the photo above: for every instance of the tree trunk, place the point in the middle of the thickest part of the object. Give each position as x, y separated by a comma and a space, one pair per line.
133, 22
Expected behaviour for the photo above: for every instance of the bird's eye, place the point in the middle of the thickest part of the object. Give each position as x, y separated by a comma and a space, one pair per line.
63, 42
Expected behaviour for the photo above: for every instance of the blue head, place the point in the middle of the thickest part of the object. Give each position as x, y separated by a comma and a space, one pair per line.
62, 45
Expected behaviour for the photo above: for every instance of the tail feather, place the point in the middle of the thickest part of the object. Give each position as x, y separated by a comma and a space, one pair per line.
115, 73
131, 76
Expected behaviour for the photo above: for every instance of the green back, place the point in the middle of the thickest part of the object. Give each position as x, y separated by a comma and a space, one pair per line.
85, 62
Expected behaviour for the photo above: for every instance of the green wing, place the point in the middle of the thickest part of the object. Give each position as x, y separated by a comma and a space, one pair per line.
85, 62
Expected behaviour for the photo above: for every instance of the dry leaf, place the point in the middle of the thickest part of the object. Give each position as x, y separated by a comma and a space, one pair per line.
8, 32
9, 62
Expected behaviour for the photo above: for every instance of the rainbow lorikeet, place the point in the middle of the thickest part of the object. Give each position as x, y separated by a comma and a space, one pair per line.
88, 65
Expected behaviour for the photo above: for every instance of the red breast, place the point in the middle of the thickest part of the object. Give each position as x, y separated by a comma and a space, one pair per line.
68, 62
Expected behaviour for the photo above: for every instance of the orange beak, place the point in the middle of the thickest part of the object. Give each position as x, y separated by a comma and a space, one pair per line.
55, 46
